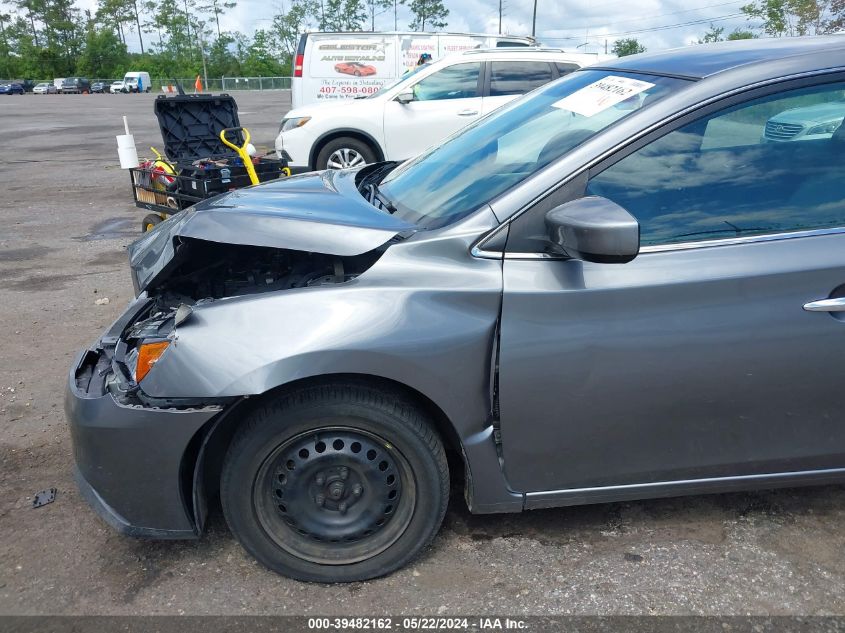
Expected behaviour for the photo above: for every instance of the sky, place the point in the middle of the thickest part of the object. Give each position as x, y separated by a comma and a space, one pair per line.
568, 24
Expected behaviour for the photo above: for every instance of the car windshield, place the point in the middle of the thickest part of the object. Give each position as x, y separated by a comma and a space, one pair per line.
397, 81
451, 180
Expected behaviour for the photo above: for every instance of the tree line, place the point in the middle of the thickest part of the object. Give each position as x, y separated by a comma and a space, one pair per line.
43, 39
182, 38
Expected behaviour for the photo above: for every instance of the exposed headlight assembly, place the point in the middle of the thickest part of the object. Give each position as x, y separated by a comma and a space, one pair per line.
141, 359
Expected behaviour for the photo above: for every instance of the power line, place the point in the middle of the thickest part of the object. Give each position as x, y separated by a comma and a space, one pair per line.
654, 28
656, 16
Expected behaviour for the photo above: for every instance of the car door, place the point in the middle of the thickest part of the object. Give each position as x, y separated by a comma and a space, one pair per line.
511, 78
707, 357
444, 102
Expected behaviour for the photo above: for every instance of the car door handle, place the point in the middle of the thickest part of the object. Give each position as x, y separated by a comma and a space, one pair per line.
467, 112
836, 304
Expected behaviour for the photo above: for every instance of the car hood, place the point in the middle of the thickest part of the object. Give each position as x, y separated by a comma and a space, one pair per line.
320, 212
821, 113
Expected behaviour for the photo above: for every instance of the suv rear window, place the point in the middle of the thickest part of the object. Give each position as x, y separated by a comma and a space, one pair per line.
518, 77
564, 68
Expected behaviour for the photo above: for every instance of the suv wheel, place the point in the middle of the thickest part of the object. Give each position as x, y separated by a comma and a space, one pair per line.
335, 483
344, 152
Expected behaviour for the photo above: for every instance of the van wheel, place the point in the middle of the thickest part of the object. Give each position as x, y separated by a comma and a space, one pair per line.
335, 483
344, 152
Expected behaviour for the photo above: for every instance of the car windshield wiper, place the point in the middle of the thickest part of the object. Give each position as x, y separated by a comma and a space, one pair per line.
383, 199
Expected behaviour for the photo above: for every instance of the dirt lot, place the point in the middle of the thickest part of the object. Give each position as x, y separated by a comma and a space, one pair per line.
67, 216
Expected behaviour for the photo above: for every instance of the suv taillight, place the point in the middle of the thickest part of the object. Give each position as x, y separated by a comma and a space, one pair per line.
297, 66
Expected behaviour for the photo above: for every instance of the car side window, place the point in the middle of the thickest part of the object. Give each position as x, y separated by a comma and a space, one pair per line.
517, 77
564, 68
775, 164
454, 82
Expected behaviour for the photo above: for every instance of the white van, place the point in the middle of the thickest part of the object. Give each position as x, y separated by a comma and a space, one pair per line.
130, 81
331, 66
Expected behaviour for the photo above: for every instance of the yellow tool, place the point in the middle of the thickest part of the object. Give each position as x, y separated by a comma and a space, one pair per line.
246, 158
162, 163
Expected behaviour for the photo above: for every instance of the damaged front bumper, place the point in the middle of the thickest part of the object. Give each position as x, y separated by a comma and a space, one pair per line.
134, 463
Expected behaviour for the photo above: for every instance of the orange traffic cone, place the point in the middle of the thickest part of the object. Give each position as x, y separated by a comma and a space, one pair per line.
198, 84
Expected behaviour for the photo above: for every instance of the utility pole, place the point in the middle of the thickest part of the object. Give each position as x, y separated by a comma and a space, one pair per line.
201, 42
395, 14
500, 17
534, 20
187, 31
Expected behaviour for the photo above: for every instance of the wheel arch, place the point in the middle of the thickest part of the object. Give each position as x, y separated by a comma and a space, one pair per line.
355, 133
202, 463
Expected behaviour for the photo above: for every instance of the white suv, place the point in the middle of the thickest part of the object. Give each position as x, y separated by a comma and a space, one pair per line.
417, 110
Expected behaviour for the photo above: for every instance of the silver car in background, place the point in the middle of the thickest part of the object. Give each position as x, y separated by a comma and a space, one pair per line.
612, 288
44, 88
811, 122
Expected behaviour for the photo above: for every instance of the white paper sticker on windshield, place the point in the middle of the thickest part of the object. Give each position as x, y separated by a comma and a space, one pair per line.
601, 95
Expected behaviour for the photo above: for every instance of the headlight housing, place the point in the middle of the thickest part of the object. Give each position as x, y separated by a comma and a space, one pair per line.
140, 360
824, 128
290, 124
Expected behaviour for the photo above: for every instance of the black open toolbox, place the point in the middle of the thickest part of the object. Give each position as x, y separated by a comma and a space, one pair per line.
202, 165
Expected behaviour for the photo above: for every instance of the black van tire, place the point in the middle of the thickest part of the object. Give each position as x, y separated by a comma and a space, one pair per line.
323, 447
344, 142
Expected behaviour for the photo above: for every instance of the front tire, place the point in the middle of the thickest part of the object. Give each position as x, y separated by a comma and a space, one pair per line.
335, 483
344, 152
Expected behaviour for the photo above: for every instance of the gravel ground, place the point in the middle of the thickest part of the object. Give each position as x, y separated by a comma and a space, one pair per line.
67, 216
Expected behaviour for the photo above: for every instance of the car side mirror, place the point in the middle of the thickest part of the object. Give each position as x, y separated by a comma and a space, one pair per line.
405, 97
594, 229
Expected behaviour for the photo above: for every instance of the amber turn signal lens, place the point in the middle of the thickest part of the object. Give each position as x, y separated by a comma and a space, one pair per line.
148, 354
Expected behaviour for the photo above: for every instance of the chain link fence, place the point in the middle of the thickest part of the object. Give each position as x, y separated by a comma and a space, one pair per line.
215, 84
228, 84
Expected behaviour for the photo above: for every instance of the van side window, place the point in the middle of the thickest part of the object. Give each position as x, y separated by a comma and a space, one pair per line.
771, 165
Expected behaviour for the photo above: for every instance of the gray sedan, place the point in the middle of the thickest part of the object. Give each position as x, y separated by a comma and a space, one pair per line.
610, 289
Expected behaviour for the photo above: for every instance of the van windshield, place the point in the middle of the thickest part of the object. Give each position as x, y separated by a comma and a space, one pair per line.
451, 180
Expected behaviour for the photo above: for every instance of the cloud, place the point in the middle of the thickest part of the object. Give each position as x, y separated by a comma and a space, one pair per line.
565, 25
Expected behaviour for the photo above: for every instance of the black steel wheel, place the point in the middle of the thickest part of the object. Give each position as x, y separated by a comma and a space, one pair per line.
335, 483
335, 496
